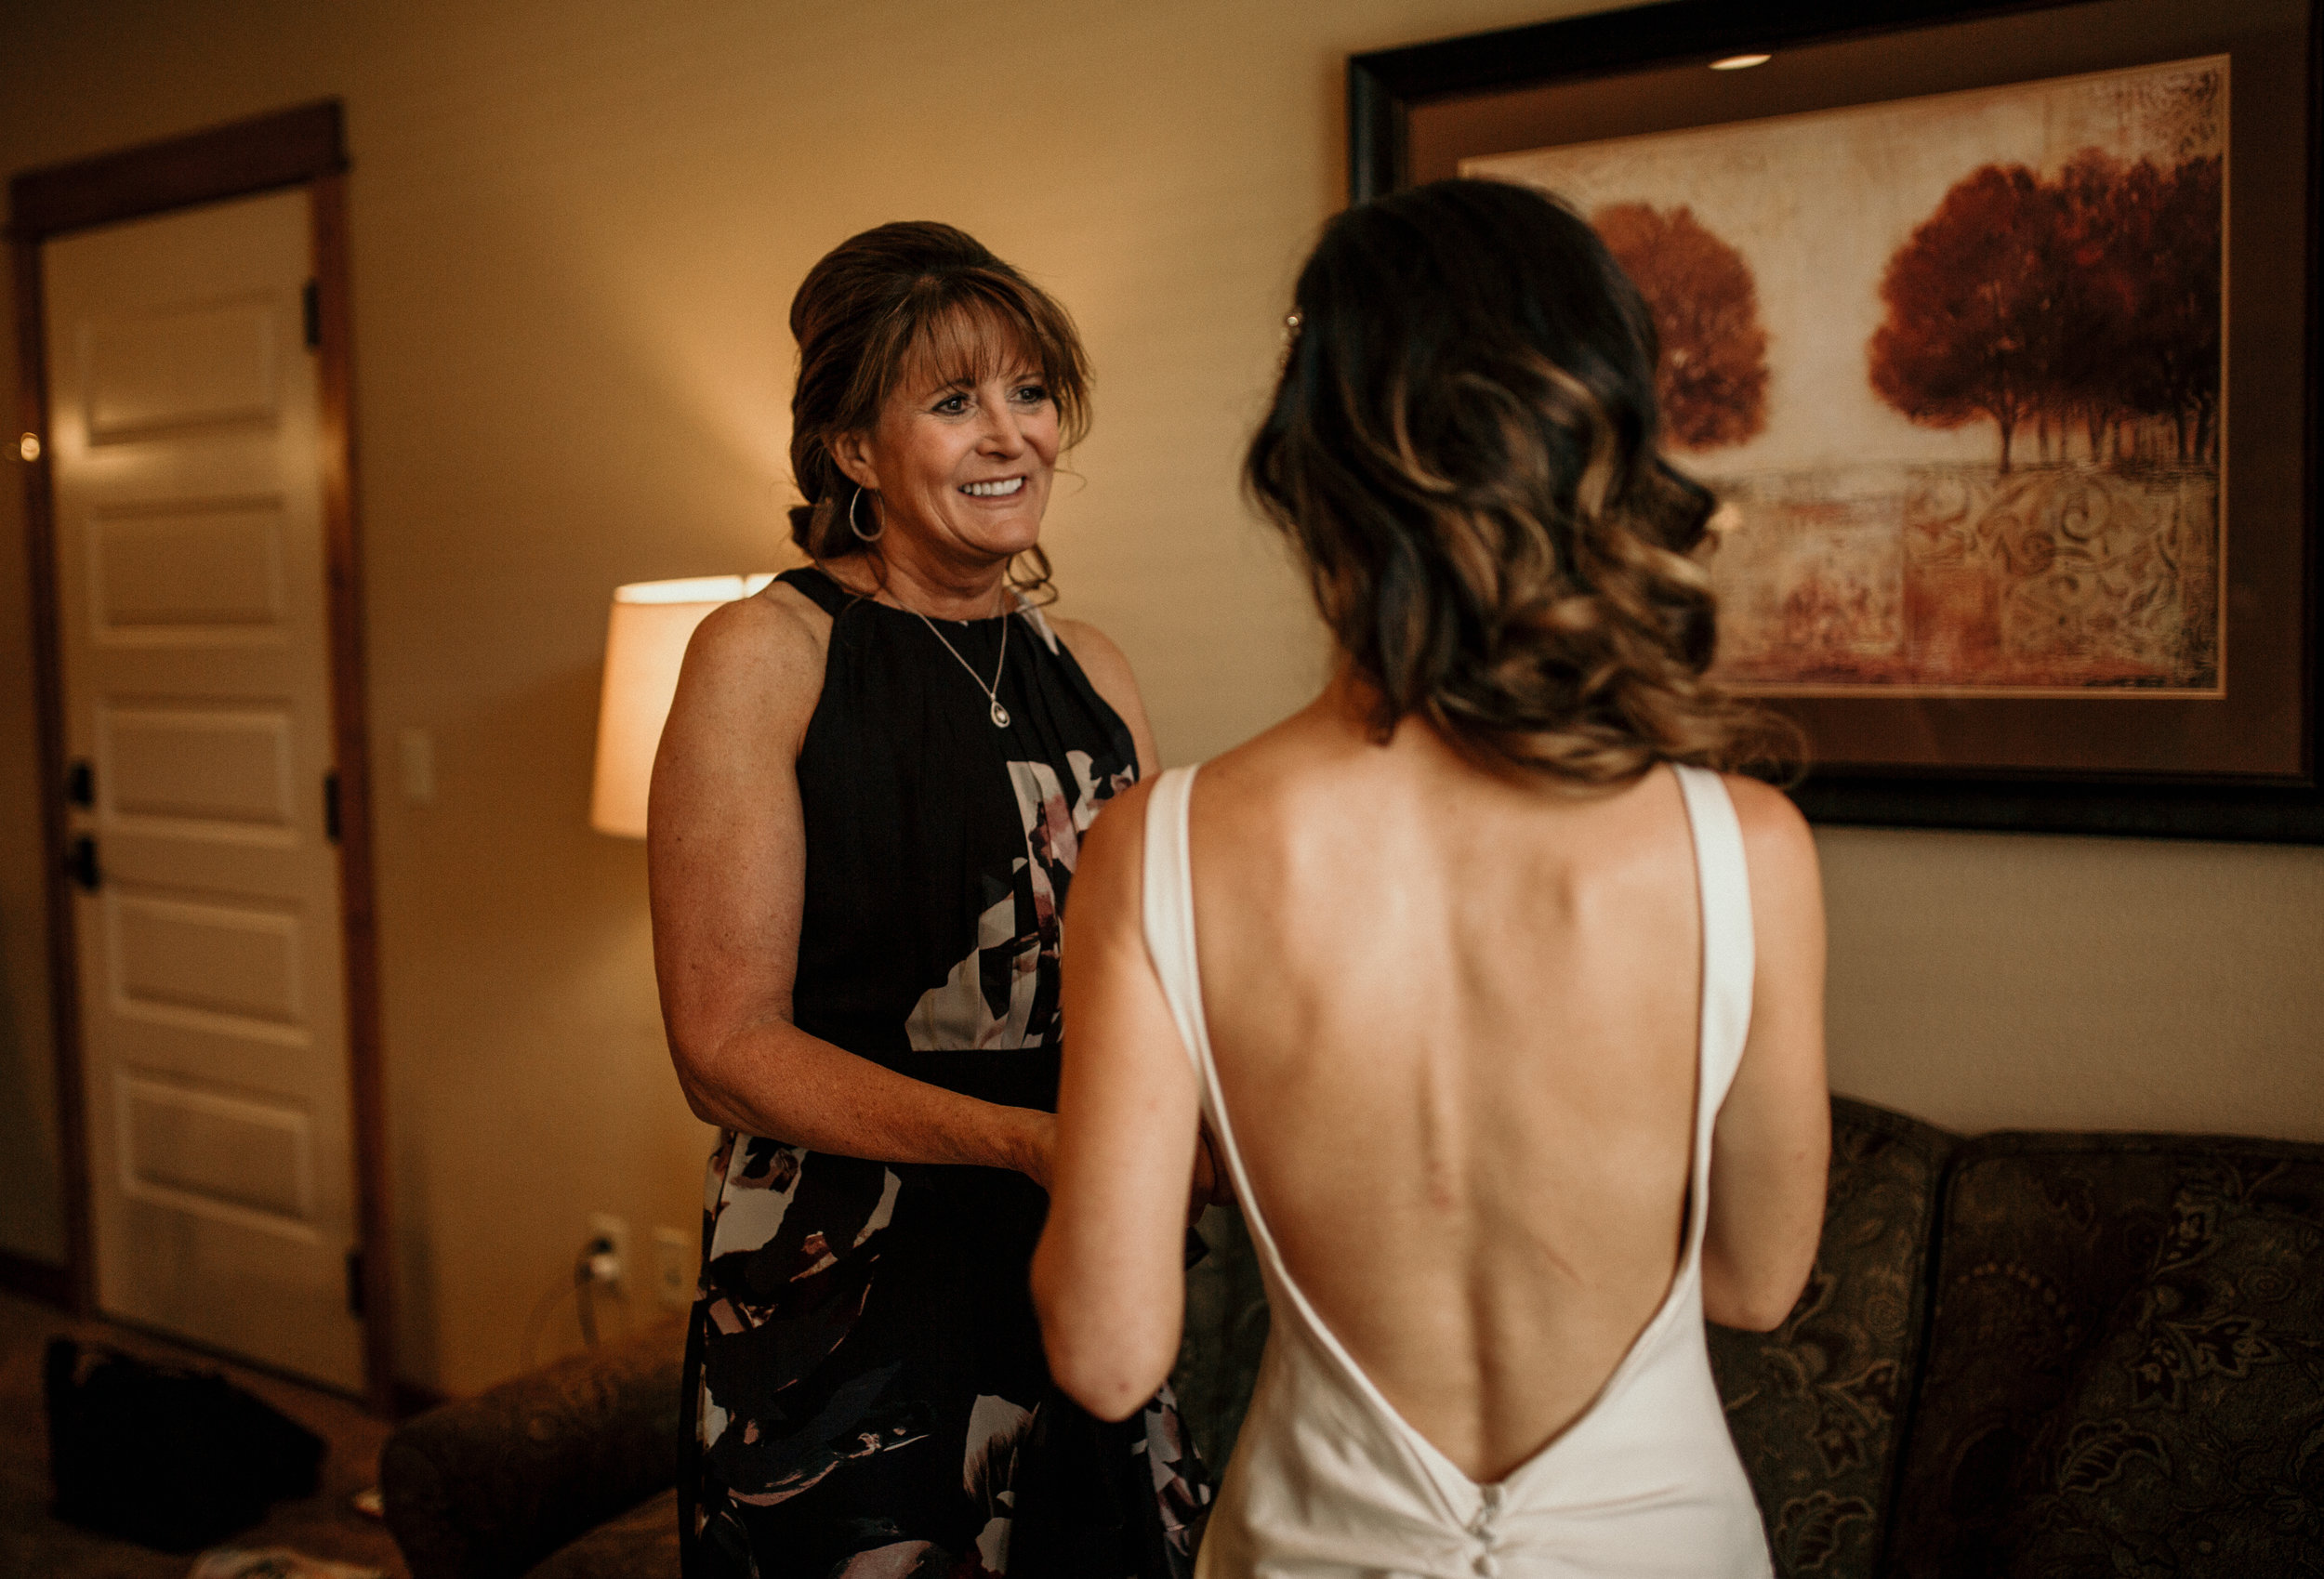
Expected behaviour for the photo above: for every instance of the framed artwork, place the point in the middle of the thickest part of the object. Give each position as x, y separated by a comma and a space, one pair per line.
1995, 327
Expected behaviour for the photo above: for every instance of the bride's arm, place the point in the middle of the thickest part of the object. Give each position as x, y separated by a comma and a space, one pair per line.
1109, 1277
1773, 1139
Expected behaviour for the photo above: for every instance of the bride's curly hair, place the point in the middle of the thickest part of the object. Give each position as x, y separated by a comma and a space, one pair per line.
1462, 450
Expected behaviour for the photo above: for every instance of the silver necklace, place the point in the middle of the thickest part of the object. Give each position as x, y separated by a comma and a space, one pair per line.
991, 692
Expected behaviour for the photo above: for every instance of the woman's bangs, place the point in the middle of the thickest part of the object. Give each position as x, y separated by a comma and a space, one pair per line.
964, 344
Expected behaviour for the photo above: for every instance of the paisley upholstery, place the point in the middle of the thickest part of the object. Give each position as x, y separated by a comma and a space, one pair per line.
2126, 1373
486, 1487
1817, 1406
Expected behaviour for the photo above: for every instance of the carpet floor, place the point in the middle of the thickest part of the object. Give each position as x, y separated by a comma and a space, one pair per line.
34, 1545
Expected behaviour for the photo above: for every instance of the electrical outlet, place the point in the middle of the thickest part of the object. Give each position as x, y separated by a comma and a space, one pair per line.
615, 1233
675, 1252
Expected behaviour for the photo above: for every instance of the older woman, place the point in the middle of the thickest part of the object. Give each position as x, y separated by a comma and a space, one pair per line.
1504, 1003
866, 811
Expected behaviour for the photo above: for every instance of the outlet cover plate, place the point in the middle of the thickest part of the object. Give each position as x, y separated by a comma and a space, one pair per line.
615, 1231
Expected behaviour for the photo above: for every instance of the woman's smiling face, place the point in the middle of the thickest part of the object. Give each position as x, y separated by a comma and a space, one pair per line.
966, 446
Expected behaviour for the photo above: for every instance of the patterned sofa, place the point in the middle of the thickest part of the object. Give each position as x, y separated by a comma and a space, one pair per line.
2018, 1355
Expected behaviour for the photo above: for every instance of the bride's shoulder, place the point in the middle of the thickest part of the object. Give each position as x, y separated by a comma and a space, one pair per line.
1773, 827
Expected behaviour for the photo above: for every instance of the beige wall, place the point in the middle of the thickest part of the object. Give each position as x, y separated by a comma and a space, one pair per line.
576, 228
2004, 981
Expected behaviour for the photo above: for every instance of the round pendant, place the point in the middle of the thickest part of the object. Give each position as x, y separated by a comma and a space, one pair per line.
1000, 715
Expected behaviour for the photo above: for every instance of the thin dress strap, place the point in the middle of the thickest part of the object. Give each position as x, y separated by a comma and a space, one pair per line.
1168, 907
1729, 956
1169, 912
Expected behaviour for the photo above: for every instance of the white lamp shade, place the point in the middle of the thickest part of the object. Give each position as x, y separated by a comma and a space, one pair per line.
645, 641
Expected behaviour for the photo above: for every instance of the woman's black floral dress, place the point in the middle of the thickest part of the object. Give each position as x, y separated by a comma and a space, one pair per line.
864, 1388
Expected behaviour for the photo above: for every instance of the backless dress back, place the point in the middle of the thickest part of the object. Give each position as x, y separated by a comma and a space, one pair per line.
1328, 1481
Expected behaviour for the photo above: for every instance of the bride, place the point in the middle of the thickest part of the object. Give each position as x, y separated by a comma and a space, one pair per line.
1501, 997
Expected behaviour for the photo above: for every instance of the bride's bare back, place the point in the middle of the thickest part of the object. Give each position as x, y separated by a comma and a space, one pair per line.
1455, 1015
1456, 1020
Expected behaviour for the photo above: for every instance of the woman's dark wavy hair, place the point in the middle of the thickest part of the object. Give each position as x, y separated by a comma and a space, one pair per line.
892, 303
1462, 450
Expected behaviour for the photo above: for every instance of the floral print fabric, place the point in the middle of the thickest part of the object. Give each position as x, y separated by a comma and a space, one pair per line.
2126, 1370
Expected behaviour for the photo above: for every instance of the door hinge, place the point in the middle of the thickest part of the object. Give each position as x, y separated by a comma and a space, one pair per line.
355, 1282
80, 863
331, 807
79, 782
311, 304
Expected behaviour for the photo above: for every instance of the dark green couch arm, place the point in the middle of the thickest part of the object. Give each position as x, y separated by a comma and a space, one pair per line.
485, 1487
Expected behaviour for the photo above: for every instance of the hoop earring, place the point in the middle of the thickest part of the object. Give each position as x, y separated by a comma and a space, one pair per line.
871, 536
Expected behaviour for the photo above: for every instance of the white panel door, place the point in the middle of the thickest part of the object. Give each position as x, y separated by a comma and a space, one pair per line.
190, 573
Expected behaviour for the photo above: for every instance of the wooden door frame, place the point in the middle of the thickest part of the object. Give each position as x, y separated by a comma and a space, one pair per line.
302, 147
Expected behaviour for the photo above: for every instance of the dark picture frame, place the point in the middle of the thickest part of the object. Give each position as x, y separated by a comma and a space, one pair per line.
2248, 768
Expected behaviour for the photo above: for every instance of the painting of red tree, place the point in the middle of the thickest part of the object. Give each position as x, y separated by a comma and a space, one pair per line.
1712, 382
1957, 362
2088, 303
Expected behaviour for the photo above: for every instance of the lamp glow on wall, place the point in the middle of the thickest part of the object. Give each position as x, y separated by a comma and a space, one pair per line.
645, 641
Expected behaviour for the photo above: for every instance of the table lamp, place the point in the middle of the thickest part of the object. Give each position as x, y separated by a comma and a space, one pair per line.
645, 640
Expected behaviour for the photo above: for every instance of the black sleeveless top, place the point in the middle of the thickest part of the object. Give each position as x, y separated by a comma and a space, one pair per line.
940, 846
865, 1372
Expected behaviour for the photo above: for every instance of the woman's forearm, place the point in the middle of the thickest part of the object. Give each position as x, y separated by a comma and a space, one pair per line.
775, 1080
